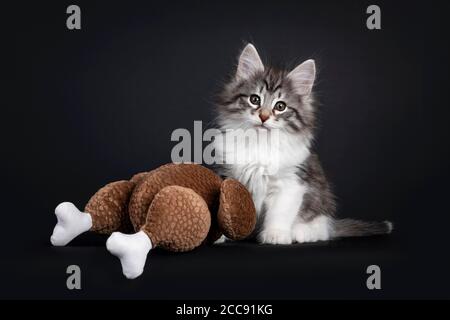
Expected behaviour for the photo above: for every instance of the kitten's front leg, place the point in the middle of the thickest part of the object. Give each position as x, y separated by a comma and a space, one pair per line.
282, 207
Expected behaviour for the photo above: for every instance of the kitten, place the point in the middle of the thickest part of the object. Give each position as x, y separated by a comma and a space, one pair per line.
292, 197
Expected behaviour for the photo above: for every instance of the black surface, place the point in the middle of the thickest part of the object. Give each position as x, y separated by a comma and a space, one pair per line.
99, 104
227, 271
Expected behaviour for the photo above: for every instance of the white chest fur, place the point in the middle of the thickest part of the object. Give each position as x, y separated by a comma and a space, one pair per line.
266, 166
270, 174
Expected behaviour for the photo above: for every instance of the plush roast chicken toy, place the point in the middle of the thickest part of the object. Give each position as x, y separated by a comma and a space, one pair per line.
176, 207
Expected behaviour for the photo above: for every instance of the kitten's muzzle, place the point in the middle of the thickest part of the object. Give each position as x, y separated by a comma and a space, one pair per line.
264, 115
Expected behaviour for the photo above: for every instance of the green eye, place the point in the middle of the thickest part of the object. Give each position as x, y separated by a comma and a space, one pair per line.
280, 106
255, 100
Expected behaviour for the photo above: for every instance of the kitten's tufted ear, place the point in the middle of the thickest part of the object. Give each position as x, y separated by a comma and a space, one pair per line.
303, 76
249, 63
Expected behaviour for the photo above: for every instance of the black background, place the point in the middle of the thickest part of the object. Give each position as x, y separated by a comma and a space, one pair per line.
99, 104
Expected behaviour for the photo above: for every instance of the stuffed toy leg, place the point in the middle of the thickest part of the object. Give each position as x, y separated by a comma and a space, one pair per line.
176, 207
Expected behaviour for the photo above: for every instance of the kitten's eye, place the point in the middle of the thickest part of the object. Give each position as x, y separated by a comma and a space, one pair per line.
280, 106
255, 100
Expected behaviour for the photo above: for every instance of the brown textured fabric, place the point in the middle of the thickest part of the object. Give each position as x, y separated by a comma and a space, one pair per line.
177, 205
198, 178
138, 177
108, 208
178, 219
237, 213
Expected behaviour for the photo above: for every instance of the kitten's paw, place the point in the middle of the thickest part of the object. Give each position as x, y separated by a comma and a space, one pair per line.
316, 230
71, 223
222, 239
303, 235
275, 236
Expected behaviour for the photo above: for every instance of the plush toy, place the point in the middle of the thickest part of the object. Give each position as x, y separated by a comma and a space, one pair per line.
176, 207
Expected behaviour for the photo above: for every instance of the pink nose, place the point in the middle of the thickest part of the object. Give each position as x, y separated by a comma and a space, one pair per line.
264, 116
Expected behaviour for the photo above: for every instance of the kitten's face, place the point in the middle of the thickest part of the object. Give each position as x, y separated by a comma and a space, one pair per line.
266, 98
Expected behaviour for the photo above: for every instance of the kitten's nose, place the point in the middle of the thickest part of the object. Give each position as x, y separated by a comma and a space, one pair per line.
263, 115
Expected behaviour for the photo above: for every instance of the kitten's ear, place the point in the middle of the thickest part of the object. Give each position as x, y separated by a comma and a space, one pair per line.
303, 76
249, 63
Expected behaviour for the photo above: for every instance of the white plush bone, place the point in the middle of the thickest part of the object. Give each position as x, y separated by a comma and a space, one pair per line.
132, 250
71, 223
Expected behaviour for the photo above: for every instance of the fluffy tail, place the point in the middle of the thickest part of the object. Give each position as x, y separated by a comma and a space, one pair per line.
357, 228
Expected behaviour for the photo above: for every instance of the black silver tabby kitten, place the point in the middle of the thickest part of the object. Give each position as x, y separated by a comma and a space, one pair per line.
292, 197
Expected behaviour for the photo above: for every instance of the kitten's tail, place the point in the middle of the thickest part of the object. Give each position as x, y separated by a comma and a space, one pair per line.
357, 228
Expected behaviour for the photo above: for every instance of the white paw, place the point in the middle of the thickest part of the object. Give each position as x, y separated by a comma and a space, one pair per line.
316, 230
132, 250
275, 236
302, 235
222, 239
71, 223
